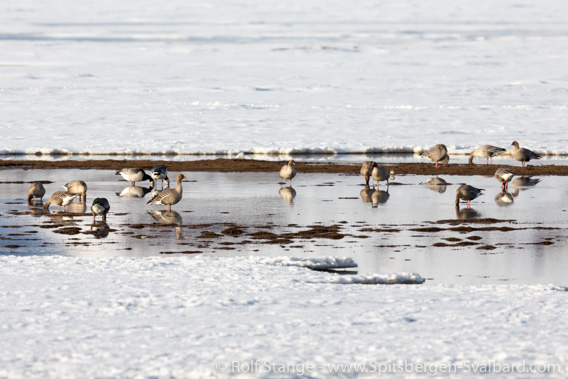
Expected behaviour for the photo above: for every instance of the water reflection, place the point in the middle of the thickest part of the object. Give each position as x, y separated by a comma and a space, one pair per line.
77, 207
379, 197
61, 219
504, 199
134, 191
436, 184
525, 182
288, 194
466, 213
169, 218
100, 229
366, 194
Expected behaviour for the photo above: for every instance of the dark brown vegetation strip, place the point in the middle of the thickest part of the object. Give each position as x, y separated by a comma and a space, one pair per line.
247, 165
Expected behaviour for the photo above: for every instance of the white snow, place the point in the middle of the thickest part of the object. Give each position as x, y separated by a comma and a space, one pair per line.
249, 77
211, 317
320, 263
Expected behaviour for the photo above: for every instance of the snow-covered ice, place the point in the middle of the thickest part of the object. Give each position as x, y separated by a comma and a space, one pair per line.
264, 78
214, 317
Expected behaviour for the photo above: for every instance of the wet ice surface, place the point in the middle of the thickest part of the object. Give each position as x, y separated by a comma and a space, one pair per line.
412, 229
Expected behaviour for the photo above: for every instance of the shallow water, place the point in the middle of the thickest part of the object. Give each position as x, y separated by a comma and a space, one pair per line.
517, 238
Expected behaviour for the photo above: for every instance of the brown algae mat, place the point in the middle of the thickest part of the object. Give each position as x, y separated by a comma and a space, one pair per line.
249, 165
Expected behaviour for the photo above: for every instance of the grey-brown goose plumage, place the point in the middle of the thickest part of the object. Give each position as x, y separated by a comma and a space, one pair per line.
134, 175
77, 187
366, 169
504, 175
523, 155
36, 190
487, 152
380, 173
438, 153
160, 172
101, 207
169, 196
59, 198
288, 171
467, 193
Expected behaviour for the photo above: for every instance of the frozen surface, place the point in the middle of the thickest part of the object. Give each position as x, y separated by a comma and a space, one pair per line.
220, 77
214, 317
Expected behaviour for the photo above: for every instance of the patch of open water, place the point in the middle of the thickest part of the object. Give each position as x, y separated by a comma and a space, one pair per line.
519, 237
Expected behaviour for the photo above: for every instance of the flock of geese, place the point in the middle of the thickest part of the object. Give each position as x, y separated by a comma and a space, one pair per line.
466, 192
101, 206
171, 196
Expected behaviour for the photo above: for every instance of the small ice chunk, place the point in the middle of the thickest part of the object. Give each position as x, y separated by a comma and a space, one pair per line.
397, 278
323, 263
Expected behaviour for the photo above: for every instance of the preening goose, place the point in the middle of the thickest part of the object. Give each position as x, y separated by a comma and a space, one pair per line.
77, 187
438, 153
504, 175
101, 207
134, 175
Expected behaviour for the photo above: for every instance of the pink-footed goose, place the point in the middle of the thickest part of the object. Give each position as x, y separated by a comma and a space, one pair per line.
160, 172
467, 193
487, 152
36, 190
59, 198
438, 153
169, 196
101, 207
380, 173
366, 169
77, 187
504, 175
288, 171
134, 175
522, 154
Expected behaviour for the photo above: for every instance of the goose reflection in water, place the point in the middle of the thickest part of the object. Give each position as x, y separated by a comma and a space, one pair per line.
366, 194
77, 207
100, 229
379, 197
466, 213
135, 191
436, 184
166, 217
504, 199
523, 183
288, 194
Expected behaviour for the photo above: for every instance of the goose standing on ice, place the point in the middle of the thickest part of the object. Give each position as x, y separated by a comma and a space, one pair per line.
366, 169
160, 172
522, 154
169, 196
438, 153
504, 175
134, 175
36, 191
101, 207
288, 171
77, 187
60, 198
487, 152
467, 193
